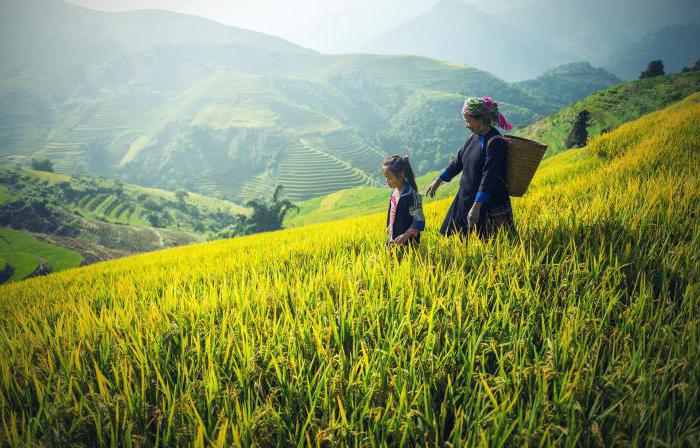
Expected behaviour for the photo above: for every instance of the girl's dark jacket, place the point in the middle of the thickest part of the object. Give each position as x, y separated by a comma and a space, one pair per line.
409, 213
483, 169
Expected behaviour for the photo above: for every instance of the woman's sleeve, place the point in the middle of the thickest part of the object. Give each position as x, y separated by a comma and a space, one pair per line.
455, 167
495, 160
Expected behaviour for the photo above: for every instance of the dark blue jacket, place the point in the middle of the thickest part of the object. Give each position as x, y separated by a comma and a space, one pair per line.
409, 213
483, 170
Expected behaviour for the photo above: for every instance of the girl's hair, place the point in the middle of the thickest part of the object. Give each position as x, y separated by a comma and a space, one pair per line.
400, 164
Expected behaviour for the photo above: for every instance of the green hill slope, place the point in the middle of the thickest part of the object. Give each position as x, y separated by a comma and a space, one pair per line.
566, 84
24, 256
612, 107
225, 112
583, 331
98, 219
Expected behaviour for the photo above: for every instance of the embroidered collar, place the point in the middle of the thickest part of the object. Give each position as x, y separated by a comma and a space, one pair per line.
483, 139
406, 189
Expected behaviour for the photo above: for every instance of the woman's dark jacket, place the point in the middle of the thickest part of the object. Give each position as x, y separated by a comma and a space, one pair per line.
483, 179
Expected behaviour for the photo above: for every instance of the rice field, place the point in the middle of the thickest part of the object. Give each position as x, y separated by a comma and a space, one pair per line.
583, 331
306, 172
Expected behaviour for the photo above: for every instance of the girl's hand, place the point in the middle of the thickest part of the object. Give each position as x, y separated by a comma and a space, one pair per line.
401, 239
411, 232
474, 214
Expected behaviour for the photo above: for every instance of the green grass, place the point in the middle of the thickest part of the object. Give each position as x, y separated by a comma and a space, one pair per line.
105, 206
22, 251
612, 107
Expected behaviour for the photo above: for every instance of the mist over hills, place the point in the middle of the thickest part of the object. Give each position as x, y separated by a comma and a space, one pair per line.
456, 32
677, 45
598, 31
517, 40
231, 113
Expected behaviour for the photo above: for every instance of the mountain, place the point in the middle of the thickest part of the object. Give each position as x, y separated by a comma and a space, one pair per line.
231, 118
225, 112
321, 334
564, 85
453, 31
599, 31
677, 46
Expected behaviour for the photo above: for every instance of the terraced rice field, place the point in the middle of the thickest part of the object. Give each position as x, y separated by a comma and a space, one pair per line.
307, 172
350, 147
109, 206
407, 71
260, 186
65, 155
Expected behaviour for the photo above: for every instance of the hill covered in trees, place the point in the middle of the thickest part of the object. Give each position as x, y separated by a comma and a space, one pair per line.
52, 221
199, 106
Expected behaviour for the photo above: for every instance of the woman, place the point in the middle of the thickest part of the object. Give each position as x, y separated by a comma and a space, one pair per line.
482, 202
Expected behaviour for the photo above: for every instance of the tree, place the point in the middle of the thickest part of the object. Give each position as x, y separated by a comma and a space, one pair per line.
694, 68
42, 165
578, 136
267, 215
655, 68
180, 195
119, 188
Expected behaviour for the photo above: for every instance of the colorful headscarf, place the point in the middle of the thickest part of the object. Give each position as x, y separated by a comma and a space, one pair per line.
486, 109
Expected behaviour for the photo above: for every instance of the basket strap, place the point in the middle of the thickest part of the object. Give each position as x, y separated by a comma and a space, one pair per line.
505, 182
494, 138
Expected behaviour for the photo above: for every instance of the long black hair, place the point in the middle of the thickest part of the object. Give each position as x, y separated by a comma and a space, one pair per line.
400, 164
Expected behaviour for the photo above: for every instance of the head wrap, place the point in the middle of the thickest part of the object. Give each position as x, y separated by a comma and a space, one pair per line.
486, 109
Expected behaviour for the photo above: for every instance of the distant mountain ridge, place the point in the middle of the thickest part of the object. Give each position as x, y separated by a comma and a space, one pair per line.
231, 119
677, 46
603, 31
456, 32
517, 40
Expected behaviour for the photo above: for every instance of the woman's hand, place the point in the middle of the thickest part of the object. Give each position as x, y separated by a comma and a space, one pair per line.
474, 214
432, 188
400, 239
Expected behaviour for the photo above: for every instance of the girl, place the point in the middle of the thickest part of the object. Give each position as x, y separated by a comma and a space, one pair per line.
405, 218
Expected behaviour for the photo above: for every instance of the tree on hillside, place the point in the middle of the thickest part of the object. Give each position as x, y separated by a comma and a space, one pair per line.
119, 188
180, 195
655, 68
578, 136
267, 215
42, 165
694, 68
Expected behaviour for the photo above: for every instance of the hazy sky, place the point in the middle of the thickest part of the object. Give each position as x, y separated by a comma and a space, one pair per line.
270, 16
319, 24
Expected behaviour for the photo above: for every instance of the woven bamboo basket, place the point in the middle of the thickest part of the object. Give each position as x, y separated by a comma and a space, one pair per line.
522, 159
